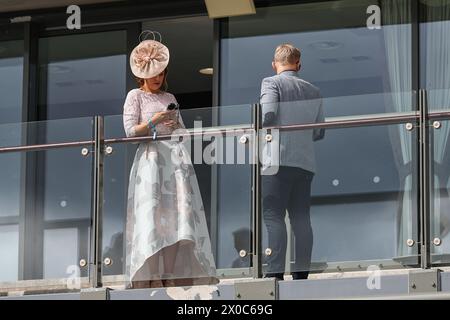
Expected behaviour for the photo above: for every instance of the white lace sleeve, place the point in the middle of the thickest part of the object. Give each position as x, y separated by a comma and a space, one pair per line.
131, 112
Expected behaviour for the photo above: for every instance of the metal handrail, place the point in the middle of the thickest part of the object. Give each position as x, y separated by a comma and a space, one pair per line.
192, 132
349, 123
38, 147
189, 133
433, 115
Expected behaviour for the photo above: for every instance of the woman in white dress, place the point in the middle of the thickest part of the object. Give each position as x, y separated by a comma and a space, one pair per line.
167, 239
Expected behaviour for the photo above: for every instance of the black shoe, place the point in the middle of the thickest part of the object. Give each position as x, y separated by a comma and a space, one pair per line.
300, 275
279, 276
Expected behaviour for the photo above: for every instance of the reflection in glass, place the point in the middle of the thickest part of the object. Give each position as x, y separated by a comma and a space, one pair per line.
242, 241
60, 253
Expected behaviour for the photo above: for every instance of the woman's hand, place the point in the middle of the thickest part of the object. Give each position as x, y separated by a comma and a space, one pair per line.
161, 116
171, 123
169, 120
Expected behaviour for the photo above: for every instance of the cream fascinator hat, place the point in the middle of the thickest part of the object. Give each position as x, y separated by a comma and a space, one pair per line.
150, 57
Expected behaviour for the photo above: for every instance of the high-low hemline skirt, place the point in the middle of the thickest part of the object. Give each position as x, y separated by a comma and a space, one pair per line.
165, 208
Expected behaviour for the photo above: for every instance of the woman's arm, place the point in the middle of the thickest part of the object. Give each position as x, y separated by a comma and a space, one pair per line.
131, 112
143, 129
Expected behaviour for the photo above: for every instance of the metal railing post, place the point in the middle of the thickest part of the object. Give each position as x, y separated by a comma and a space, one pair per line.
256, 197
424, 182
95, 273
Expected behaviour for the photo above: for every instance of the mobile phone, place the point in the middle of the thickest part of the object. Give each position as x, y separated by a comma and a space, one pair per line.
172, 106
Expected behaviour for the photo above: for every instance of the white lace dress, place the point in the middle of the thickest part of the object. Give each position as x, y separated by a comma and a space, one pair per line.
164, 202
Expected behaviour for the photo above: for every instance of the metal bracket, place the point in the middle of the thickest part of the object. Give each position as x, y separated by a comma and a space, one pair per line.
95, 294
437, 241
108, 150
244, 139
108, 261
83, 263
257, 289
409, 126
244, 253
422, 281
85, 152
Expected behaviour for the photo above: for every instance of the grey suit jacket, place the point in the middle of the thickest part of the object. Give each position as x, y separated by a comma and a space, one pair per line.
291, 100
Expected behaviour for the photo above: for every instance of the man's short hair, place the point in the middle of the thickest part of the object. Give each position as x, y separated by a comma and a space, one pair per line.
287, 54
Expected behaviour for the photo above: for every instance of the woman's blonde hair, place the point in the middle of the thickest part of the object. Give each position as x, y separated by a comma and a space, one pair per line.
164, 85
287, 54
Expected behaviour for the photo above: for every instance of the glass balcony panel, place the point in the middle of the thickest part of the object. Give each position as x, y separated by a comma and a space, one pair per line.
214, 180
46, 132
360, 184
439, 170
45, 205
9, 250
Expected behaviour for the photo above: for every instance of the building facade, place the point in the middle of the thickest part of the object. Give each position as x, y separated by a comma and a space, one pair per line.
380, 196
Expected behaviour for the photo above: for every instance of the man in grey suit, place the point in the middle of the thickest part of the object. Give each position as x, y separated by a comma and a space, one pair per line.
286, 99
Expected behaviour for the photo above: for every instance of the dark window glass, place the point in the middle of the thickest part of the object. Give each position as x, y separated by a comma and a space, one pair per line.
11, 75
82, 75
358, 70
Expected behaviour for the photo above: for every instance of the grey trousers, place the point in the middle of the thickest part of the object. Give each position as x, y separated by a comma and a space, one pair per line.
288, 190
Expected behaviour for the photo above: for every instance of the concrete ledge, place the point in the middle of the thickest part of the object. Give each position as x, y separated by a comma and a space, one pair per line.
53, 296
389, 284
343, 287
433, 296
206, 292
